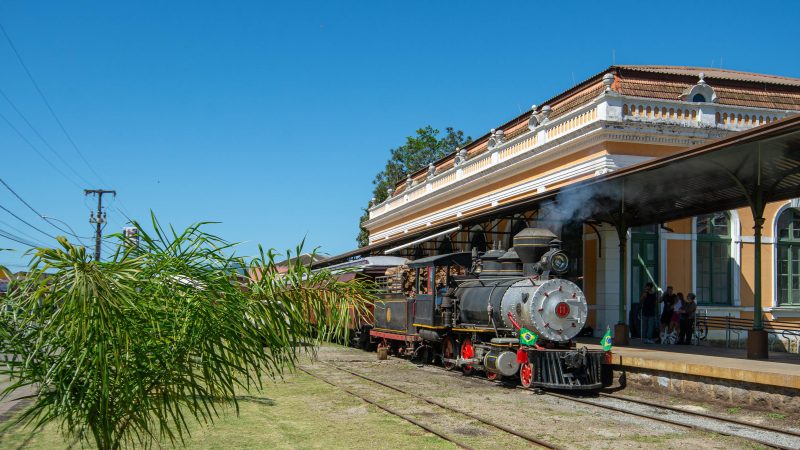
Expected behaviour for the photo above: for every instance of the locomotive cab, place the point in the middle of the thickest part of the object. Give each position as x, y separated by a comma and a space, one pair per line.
434, 278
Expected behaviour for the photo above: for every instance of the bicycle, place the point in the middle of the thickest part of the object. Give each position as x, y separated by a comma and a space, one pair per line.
700, 331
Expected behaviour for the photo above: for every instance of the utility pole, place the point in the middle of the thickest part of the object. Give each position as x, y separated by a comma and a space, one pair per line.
98, 219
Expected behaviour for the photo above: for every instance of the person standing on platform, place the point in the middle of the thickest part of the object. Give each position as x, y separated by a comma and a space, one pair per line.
668, 301
649, 304
688, 311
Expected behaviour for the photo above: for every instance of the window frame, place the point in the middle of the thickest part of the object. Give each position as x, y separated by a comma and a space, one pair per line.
711, 238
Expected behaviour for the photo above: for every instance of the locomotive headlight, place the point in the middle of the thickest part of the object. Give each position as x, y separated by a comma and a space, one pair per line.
559, 263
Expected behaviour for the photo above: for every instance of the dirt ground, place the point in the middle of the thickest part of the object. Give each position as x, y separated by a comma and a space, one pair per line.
301, 412
554, 420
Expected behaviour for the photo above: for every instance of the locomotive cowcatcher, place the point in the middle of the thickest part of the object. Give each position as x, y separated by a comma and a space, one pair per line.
469, 310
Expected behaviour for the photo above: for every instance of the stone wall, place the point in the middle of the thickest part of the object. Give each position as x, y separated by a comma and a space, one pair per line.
731, 393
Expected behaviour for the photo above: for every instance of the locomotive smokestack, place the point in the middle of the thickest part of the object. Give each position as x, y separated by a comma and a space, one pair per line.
530, 244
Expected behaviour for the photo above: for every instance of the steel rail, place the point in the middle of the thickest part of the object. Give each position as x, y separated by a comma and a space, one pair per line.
702, 414
655, 418
504, 428
391, 411
670, 421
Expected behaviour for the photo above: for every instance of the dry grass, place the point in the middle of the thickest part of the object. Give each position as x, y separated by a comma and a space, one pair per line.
298, 413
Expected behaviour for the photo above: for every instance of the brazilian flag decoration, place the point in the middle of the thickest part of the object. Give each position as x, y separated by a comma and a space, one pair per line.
527, 337
606, 341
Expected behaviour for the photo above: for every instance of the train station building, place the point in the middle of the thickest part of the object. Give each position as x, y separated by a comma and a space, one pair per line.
639, 171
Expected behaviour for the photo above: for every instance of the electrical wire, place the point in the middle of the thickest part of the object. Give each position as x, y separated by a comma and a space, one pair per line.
47, 103
42, 216
26, 222
35, 149
42, 138
14, 238
26, 235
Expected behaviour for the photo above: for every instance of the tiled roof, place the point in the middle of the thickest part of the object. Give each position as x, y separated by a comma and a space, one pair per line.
736, 96
733, 87
712, 73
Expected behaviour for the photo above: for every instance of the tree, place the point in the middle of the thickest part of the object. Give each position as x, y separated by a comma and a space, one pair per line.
420, 150
128, 351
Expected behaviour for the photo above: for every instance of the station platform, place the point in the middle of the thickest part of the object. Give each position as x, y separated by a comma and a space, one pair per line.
781, 370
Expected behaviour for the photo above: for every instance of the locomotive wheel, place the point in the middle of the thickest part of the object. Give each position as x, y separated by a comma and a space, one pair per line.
467, 352
448, 352
526, 374
492, 376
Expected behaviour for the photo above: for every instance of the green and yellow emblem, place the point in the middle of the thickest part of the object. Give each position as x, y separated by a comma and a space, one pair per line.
527, 337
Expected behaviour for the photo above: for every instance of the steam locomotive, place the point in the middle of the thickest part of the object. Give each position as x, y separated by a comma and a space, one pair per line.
468, 310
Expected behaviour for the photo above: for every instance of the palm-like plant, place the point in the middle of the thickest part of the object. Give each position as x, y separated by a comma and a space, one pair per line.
130, 350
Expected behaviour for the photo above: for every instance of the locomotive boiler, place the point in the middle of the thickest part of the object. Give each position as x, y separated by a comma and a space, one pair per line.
505, 313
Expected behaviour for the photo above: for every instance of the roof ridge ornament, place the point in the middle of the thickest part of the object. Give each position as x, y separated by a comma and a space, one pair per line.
701, 92
498, 137
538, 118
608, 81
461, 156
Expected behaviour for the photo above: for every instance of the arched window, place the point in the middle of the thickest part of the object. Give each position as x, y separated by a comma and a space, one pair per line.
788, 258
714, 271
698, 98
477, 239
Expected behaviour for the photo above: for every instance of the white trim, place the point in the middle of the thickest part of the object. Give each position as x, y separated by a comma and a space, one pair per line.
421, 240
662, 260
793, 203
677, 236
694, 255
603, 162
592, 133
736, 257
784, 312
752, 240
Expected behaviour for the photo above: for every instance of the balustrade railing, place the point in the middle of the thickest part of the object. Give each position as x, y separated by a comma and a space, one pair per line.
634, 109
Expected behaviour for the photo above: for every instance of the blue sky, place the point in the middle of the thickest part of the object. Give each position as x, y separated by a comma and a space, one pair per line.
273, 118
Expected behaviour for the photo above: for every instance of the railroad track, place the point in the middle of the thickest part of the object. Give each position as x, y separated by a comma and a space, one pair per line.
519, 435
734, 428
782, 439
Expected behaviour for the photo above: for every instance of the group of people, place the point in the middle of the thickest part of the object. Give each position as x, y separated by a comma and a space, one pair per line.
677, 316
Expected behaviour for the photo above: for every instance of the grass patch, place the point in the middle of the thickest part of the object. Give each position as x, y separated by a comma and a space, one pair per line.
778, 416
300, 412
648, 439
734, 410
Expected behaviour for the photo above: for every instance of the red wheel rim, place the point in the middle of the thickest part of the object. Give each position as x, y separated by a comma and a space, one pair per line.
448, 352
467, 352
526, 374
492, 376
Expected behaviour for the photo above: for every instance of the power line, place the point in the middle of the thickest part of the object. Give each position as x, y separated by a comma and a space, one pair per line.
10, 236
47, 103
42, 216
46, 143
26, 222
30, 144
26, 235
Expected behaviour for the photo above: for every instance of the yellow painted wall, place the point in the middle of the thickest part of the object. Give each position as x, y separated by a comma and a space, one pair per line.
679, 265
